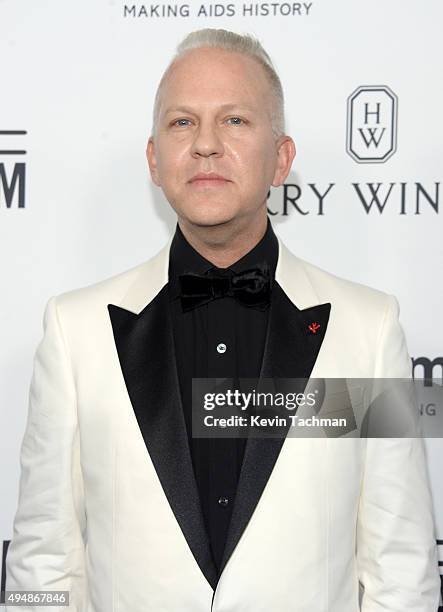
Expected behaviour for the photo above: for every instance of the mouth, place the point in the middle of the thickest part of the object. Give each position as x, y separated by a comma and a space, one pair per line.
209, 179
209, 182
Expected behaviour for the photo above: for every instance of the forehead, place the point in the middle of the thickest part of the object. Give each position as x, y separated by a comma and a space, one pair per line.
215, 77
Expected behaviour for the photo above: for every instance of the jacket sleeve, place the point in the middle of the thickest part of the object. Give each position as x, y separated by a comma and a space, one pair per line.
47, 550
396, 545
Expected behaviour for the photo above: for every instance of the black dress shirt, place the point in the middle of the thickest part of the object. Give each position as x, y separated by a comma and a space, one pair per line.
221, 339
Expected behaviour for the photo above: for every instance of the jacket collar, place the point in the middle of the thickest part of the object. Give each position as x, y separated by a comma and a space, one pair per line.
153, 275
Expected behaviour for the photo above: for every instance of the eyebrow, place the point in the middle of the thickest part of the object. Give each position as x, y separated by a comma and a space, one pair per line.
224, 107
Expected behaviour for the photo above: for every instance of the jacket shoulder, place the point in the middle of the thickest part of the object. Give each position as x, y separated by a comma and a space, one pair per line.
334, 288
364, 325
108, 290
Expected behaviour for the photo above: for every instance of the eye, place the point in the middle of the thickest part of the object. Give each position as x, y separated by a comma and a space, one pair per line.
178, 124
237, 122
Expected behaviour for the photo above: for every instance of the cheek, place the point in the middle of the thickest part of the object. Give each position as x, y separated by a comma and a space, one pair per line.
254, 165
170, 158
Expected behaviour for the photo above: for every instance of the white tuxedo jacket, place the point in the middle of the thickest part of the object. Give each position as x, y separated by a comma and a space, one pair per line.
108, 505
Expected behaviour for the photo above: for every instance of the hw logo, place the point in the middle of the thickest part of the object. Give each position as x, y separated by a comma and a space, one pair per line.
371, 135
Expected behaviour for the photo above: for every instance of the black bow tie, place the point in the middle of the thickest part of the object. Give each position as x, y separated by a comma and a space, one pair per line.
252, 287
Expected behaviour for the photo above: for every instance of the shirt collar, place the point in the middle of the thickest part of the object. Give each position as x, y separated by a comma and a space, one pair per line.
184, 258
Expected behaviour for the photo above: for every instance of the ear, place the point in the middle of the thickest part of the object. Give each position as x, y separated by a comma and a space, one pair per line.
152, 161
285, 156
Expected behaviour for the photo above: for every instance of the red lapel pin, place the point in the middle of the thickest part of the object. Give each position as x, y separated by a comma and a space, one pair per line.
313, 327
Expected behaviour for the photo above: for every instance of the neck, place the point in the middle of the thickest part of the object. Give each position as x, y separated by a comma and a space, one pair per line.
226, 243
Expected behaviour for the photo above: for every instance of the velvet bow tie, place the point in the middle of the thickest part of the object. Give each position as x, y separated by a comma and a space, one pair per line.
252, 287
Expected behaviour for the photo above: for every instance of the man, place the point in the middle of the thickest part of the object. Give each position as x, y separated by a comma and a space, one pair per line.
119, 503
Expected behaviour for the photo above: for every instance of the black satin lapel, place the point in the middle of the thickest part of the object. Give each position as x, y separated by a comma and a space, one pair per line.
145, 348
291, 350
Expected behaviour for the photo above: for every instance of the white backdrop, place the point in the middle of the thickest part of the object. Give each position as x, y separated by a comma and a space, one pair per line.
79, 78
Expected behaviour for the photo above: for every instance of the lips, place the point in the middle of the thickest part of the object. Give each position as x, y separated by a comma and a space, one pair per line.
208, 177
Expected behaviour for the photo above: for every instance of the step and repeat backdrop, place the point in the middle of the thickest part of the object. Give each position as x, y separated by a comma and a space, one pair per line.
363, 88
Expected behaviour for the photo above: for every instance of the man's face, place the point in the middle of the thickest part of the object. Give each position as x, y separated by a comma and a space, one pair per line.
214, 117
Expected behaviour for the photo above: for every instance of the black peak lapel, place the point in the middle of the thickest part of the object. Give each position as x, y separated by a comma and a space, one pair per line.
145, 348
291, 350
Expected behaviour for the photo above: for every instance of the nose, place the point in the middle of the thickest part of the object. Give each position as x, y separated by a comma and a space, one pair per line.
207, 141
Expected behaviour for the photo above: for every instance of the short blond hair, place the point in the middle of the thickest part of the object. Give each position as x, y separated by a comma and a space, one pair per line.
240, 43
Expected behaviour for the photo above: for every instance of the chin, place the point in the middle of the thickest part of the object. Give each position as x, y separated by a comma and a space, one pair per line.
208, 215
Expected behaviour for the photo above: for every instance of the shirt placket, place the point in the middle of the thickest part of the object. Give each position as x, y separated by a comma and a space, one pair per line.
223, 451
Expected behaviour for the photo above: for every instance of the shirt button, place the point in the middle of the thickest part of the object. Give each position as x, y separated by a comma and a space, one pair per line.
223, 501
221, 348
